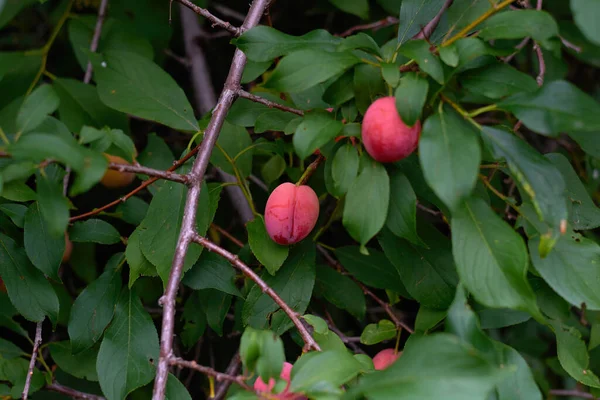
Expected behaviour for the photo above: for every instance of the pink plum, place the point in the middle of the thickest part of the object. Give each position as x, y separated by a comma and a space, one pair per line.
385, 358
291, 213
385, 136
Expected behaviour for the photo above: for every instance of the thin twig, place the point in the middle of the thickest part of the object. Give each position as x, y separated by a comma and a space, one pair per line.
96, 38
518, 47
75, 394
428, 29
232, 369
216, 21
388, 309
34, 354
219, 376
382, 23
228, 12
572, 393
254, 179
310, 170
268, 103
187, 233
265, 288
228, 235
139, 169
570, 45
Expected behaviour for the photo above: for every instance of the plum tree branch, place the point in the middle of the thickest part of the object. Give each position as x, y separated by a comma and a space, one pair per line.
196, 176
96, 38
219, 376
271, 104
431, 25
572, 393
75, 394
216, 21
310, 343
34, 354
139, 169
382, 23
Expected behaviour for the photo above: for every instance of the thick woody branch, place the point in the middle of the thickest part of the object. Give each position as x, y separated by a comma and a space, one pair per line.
246, 270
75, 394
139, 169
36, 345
219, 376
196, 176
216, 21
268, 103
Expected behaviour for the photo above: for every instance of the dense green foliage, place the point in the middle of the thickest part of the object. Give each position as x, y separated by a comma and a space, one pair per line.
482, 241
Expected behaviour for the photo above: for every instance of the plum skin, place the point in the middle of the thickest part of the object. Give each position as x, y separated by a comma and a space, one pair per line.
113, 179
385, 136
286, 372
385, 358
291, 213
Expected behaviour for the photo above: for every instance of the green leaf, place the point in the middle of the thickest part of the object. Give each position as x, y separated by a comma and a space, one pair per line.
194, 321
43, 249
373, 270
445, 139
134, 85
295, 292
390, 74
519, 384
82, 365
129, 350
28, 290
303, 69
269, 364
583, 213
375, 333
341, 291
344, 168
176, 390
15, 372
275, 120
570, 269
269, 253
449, 55
94, 231
341, 90
573, 355
215, 305
36, 107
81, 106
428, 273
497, 81
427, 319
410, 97
414, 15
541, 181
138, 263
556, 107
156, 154
53, 206
212, 271
160, 229
372, 187
402, 213
94, 307
16, 212
18, 191
432, 367
232, 141
360, 41
263, 43
368, 86
586, 14
133, 210
491, 258
273, 169
317, 128
9, 350
360, 8
519, 24
418, 50
333, 367
10, 8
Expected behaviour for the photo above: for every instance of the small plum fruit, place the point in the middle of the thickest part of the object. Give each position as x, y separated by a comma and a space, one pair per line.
291, 213
385, 358
116, 179
385, 136
68, 249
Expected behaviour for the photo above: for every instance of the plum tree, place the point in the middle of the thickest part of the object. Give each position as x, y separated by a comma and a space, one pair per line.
385, 136
286, 371
291, 213
116, 179
385, 358
68, 249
